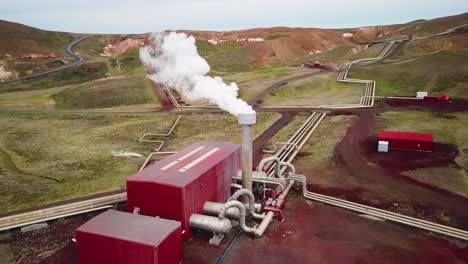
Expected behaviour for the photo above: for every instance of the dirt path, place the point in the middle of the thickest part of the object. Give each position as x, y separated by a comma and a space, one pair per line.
261, 141
387, 189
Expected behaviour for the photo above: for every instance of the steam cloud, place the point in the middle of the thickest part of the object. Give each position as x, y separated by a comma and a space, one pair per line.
173, 59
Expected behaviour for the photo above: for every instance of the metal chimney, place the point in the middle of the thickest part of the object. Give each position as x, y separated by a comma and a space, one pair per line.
247, 120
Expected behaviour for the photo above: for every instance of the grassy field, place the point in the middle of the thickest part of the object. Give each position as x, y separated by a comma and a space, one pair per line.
316, 91
445, 72
47, 158
252, 83
317, 153
108, 92
454, 179
286, 132
29, 99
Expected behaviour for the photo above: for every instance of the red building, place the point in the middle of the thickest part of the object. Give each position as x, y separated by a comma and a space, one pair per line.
179, 185
407, 140
120, 238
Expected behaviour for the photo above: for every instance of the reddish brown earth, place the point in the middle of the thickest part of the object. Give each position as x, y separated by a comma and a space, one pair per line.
312, 233
117, 46
355, 176
315, 233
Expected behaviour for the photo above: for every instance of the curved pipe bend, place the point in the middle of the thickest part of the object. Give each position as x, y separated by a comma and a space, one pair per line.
251, 197
242, 214
278, 162
264, 161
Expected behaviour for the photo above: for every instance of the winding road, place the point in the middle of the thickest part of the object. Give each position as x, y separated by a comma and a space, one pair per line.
70, 51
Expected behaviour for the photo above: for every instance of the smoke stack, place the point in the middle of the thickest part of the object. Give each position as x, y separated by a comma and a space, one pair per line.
247, 120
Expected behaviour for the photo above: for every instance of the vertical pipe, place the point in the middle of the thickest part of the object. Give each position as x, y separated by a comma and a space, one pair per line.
247, 120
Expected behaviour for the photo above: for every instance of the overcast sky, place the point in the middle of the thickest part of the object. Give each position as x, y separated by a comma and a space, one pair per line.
138, 16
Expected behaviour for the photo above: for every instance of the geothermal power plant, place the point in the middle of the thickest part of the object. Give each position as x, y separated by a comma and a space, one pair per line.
196, 189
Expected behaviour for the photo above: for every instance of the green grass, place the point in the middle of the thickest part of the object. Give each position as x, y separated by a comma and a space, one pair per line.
441, 73
320, 90
253, 82
286, 132
60, 156
29, 99
105, 93
436, 124
448, 178
317, 153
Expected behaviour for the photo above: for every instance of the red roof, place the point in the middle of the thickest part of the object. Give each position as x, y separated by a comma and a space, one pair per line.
186, 165
406, 136
130, 227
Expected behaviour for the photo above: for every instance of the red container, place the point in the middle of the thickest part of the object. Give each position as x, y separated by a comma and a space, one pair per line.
407, 140
179, 185
121, 238
431, 99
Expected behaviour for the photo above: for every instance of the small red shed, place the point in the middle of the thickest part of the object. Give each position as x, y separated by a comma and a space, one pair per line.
179, 185
121, 238
407, 140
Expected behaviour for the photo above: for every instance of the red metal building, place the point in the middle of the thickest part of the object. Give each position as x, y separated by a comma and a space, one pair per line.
120, 238
179, 185
407, 140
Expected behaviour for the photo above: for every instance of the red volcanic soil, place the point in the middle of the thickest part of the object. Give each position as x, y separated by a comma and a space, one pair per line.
398, 160
312, 233
315, 233
362, 175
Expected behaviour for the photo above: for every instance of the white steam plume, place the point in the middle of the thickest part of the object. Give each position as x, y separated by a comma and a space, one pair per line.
174, 60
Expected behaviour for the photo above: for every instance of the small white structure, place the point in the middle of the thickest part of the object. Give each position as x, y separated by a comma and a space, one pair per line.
348, 35
421, 94
383, 146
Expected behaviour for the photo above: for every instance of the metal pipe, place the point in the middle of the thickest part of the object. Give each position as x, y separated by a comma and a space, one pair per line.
210, 223
247, 120
264, 161
235, 185
251, 201
242, 214
213, 208
264, 224
269, 180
